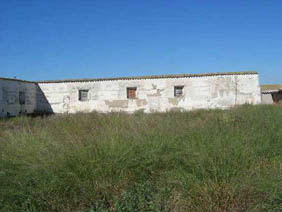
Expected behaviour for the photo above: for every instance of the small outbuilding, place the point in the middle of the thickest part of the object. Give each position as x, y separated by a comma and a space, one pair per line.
271, 94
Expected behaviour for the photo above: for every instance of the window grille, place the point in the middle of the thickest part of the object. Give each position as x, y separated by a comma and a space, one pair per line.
178, 91
83, 95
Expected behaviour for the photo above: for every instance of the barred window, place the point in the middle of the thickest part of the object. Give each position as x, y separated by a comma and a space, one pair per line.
178, 91
131, 93
83, 95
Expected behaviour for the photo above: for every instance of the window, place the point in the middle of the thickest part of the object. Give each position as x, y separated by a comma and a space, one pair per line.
131, 93
22, 98
178, 91
83, 95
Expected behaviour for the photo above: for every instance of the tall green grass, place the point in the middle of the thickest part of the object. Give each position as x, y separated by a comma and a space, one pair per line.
194, 161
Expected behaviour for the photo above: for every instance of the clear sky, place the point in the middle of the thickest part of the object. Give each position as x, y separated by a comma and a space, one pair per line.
62, 39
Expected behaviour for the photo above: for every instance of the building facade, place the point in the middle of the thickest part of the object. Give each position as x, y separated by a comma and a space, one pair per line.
130, 94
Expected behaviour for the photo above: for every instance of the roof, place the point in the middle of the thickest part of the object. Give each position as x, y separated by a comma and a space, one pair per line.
16, 80
151, 77
271, 88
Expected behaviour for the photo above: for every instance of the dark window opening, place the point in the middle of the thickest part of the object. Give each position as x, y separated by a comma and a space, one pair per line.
83, 95
178, 91
131, 93
22, 98
277, 97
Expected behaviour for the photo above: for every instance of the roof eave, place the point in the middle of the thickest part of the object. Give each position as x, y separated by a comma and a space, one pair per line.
150, 77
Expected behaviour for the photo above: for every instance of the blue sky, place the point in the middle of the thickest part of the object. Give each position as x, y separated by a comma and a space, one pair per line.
61, 39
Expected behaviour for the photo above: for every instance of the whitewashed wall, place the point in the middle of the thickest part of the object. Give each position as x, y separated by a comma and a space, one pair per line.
266, 98
154, 94
9, 97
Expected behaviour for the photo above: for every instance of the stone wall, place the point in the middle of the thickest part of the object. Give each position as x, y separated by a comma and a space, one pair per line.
153, 95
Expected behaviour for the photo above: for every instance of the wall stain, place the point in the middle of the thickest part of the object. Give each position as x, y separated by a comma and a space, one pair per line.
157, 92
222, 87
141, 102
66, 105
175, 101
117, 103
154, 86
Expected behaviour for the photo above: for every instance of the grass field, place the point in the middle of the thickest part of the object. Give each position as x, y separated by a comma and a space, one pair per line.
195, 161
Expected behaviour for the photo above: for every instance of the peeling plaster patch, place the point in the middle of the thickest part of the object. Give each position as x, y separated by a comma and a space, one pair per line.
141, 102
81, 109
175, 101
117, 103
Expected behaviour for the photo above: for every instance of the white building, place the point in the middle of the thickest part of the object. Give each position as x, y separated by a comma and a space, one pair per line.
129, 94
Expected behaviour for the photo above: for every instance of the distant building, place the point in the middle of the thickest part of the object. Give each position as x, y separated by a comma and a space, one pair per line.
271, 94
129, 94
